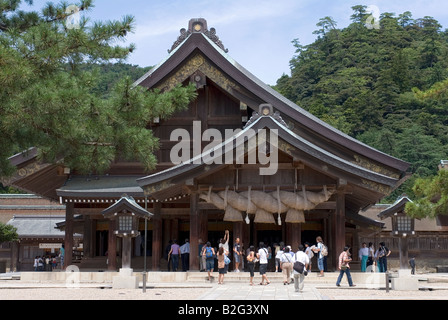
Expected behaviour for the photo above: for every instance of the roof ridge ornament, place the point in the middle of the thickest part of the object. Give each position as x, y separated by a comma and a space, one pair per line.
266, 110
198, 25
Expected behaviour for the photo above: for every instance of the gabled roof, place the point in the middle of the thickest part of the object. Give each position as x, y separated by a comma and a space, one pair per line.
200, 42
38, 226
100, 187
127, 203
310, 154
398, 206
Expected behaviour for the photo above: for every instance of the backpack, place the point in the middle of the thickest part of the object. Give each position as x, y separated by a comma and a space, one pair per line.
382, 252
208, 252
324, 250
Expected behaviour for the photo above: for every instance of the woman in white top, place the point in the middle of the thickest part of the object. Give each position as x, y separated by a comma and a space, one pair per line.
224, 242
286, 261
364, 256
278, 255
310, 254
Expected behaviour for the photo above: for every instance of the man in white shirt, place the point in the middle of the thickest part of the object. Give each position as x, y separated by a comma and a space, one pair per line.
299, 278
262, 256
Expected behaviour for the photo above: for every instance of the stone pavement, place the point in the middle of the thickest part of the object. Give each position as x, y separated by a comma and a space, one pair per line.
432, 287
273, 291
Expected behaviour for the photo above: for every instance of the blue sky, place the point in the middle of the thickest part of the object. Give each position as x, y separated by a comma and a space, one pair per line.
258, 33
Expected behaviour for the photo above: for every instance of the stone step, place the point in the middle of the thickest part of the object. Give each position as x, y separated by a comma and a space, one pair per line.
374, 279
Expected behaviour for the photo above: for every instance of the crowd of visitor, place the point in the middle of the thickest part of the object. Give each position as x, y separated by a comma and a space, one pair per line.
277, 257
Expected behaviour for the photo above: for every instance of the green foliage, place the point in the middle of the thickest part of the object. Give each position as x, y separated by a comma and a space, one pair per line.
8, 233
386, 87
432, 197
55, 96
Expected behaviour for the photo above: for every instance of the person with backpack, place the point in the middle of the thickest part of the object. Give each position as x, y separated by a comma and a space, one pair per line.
322, 249
299, 275
383, 253
209, 254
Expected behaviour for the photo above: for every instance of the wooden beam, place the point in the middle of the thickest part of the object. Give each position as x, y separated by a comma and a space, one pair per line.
267, 187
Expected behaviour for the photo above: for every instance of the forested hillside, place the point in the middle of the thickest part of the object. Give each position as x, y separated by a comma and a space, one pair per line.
110, 74
386, 87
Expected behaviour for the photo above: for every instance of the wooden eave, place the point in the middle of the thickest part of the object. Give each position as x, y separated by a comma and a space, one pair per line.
129, 204
98, 189
371, 186
397, 207
34, 176
199, 42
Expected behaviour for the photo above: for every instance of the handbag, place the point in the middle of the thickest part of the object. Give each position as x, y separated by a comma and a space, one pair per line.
226, 260
298, 266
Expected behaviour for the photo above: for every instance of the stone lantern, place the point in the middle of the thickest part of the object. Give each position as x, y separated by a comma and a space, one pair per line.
403, 227
126, 213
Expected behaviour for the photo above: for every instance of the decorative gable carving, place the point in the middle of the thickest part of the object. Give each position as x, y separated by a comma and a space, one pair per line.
198, 26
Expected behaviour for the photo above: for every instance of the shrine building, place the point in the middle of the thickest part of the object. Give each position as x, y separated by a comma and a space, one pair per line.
260, 166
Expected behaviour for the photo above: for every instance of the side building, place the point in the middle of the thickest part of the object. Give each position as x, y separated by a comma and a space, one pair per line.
36, 221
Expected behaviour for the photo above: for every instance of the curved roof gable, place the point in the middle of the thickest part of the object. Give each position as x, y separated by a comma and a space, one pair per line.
213, 50
315, 156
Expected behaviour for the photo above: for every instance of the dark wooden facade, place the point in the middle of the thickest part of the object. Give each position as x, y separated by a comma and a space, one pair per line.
311, 155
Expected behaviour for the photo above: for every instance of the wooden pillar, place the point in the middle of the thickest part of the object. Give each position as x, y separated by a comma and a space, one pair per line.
194, 232
237, 231
338, 227
175, 229
246, 237
126, 252
112, 247
203, 225
157, 248
293, 235
166, 232
68, 242
88, 237
14, 256
255, 235
404, 252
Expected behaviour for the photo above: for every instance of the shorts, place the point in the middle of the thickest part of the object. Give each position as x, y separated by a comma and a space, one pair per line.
237, 258
210, 264
263, 268
320, 264
222, 270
